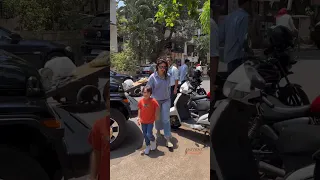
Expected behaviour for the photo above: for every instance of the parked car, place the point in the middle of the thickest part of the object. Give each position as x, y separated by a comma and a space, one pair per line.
120, 77
123, 107
146, 70
96, 36
37, 141
36, 52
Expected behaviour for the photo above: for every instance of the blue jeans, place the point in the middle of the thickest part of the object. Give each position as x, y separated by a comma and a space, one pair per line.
164, 122
147, 133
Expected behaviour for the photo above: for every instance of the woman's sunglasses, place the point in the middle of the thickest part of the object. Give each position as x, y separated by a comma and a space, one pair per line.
163, 67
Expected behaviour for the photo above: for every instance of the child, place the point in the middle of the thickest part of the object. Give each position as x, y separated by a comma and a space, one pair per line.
148, 112
99, 139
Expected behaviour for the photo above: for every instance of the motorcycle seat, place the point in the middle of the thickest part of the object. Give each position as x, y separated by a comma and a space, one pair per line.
282, 112
285, 113
198, 97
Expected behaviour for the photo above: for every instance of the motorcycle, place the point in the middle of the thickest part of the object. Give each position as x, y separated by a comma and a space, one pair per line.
273, 70
229, 123
180, 113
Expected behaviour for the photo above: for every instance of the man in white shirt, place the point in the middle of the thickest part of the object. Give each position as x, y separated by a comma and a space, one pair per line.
284, 19
183, 71
174, 79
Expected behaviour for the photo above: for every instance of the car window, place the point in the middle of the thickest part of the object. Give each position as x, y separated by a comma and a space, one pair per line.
100, 22
146, 69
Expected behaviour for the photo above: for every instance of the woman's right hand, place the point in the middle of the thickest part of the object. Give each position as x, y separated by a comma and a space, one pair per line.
139, 123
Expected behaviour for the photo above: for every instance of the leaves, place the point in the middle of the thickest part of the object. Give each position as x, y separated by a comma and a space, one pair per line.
205, 17
38, 15
169, 11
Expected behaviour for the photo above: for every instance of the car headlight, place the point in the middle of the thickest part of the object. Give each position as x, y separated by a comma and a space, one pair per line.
68, 48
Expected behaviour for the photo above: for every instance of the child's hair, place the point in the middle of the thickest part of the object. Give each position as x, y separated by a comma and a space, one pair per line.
147, 88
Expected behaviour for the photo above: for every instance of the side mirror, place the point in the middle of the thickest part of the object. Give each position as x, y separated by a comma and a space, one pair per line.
15, 38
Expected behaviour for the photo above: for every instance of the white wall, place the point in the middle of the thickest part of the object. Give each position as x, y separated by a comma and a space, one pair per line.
113, 27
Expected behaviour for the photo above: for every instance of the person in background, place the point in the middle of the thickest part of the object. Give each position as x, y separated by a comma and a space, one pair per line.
174, 79
232, 33
183, 71
99, 138
159, 81
148, 112
214, 50
284, 19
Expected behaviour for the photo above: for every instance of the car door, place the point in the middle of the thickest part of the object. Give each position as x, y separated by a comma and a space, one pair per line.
23, 49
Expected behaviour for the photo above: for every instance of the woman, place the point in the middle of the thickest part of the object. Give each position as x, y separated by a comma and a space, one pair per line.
284, 19
159, 81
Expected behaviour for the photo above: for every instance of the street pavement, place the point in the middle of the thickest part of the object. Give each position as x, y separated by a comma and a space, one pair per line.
189, 158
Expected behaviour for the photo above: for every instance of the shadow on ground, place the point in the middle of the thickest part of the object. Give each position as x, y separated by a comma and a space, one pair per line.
200, 140
132, 142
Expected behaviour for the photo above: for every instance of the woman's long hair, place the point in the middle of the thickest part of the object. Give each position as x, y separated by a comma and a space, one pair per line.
162, 61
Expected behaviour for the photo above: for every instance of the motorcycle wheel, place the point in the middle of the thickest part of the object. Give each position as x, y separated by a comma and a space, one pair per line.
293, 95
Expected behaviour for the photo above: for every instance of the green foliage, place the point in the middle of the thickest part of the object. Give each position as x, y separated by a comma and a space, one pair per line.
203, 46
169, 11
205, 17
43, 14
124, 61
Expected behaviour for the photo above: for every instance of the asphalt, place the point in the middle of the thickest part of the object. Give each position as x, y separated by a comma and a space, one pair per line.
189, 159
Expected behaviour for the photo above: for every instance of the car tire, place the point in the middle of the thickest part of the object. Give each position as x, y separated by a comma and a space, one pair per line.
54, 55
18, 165
118, 124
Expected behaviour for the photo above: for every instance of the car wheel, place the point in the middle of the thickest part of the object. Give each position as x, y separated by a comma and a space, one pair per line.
18, 165
54, 55
117, 128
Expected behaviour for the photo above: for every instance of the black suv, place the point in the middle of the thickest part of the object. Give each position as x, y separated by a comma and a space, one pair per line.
37, 141
123, 107
96, 36
36, 52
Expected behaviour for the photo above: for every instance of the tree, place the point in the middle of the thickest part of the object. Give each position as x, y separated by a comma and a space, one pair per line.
148, 36
43, 14
170, 11
205, 17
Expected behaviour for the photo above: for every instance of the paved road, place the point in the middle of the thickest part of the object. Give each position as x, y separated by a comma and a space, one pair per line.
127, 163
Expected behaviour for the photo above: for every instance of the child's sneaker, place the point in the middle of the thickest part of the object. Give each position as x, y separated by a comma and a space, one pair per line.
147, 150
153, 145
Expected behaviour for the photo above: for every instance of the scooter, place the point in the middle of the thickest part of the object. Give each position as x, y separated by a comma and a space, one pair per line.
181, 115
232, 152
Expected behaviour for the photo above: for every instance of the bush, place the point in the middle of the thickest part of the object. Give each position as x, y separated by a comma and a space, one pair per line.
124, 61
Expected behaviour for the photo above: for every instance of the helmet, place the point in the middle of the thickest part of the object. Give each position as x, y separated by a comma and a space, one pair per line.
280, 37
